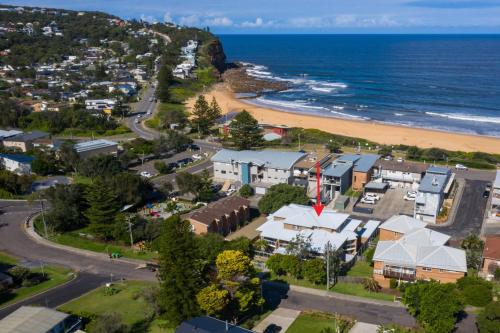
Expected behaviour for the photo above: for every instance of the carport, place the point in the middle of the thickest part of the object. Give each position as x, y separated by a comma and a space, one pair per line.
376, 187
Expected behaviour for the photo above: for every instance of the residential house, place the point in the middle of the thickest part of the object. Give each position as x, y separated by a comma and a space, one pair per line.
399, 174
100, 104
36, 319
297, 221
4, 134
96, 147
491, 256
308, 164
347, 171
493, 214
206, 324
24, 141
433, 189
17, 163
260, 169
222, 216
407, 251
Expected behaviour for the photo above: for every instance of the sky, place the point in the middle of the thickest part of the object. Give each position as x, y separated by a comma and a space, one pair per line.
303, 16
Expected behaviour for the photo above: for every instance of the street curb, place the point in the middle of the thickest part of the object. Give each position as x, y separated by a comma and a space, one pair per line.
334, 295
29, 230
75, 275
454, 208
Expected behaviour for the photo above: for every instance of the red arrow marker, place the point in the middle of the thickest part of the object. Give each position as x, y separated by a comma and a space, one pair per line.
318, 206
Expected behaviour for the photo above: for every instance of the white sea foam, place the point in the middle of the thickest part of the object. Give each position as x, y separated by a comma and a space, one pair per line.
296, 105
322, 89
338, 107
398, 114
466, 117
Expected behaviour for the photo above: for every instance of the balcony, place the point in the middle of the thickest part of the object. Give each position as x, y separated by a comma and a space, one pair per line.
399, 274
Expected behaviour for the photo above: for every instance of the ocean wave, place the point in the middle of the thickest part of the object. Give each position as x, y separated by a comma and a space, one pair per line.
298, 104
347, 115
338, 107
322, 89
398, 114
466, 117
333, 84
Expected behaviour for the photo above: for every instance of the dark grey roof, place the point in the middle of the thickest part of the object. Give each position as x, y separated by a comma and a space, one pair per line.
207, 324
433, 183
438, 170
405, 166
366, 162
337, 169
25, 137
376, 186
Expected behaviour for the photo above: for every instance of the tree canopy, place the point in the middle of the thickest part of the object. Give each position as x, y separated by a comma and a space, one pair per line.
245, 131
280, 195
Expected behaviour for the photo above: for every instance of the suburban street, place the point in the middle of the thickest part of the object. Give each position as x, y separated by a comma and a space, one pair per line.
142, 108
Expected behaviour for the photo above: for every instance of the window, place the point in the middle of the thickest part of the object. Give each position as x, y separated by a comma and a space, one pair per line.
235, 173
442, 270
427, 269
223, 172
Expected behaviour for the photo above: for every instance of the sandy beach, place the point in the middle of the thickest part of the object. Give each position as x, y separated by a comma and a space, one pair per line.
377, 132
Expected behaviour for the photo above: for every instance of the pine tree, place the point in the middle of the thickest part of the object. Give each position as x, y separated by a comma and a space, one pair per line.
215, 111
202, 115
245, 131
103, 208
179, 274
165, 79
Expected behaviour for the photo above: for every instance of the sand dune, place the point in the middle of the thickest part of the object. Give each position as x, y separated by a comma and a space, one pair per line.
381, 133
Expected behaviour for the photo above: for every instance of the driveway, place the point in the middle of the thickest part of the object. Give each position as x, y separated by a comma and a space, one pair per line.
470, 212
281, 319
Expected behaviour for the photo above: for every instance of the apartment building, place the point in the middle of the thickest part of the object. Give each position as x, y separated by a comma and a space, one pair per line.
407, 251
433, 189
491, 257
400, 174
261, 169
292, 221
96, 147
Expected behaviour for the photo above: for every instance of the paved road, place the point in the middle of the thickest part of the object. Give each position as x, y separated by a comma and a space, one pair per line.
142, 108
470, 211
53, 298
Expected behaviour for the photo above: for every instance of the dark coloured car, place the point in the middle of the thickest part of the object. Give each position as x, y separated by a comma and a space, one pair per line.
185, 161
173, 165
194, 147
486, 194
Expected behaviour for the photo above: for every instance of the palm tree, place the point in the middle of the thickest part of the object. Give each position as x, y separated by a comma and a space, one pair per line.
372, 285
261, 245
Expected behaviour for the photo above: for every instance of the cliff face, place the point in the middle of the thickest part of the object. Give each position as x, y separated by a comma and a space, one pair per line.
216, 54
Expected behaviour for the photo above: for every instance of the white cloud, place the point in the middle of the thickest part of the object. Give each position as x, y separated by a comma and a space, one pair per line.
258, 23
218, 21
167, 18
148, 18
346, 21
190, 20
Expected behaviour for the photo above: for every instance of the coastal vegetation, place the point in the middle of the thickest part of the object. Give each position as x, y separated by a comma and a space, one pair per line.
245, 132
280, 195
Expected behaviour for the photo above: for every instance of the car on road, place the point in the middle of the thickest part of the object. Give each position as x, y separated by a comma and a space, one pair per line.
185, 161
461, 167
388, 158
368, 200
172, 165
146, 174
197, 157
400, 160
136, 120
372, 195
194, 147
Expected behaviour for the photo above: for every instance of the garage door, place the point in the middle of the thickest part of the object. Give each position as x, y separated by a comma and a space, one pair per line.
260, 190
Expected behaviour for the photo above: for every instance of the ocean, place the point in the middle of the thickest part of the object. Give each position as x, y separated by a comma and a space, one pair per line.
444, 82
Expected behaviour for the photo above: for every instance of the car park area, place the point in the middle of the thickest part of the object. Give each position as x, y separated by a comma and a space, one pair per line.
390, 203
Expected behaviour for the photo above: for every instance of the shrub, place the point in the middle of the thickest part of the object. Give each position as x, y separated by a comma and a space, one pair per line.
477, 295
372, 285
246, 191
393, 283
369, 255
19, 273
496, 274
292, 266
402, 287
162, 167
275, 264
314, 271
488, 319
280, 195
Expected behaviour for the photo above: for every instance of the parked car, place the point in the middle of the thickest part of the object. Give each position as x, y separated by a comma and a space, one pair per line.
216, 187
400, 160
409, 198
388, 158
197, 157
172, 165
461, 167
368, 200
412, 193
146, 174
194, 147
230, 191
136, 120
372, 195
185, 161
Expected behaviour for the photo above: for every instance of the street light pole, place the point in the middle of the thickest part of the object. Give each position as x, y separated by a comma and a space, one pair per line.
129, 224
328, 266
43, 218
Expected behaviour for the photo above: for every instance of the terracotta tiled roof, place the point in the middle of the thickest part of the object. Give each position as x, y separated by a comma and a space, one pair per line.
216, 210
492, 248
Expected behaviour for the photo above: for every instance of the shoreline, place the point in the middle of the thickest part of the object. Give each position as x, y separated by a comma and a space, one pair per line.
378, 132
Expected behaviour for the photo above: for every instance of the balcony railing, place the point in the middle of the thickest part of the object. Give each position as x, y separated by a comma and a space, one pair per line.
389, 273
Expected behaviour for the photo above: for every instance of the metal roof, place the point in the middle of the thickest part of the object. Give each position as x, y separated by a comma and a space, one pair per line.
30, 319
337, 169
305, 216
25, 137
402, 224
438, 170
376, 186
433, 183
496, 184
269, 158
93, 145
206, 324
369, 228
366, 162
18, 158
6, 134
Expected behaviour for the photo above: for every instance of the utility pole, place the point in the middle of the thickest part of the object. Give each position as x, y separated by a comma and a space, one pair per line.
43, 218
328, 266
129, 225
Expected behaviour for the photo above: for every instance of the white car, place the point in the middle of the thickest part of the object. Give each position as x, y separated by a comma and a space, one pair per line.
461, 167
400, 159
372, 195
388, 158
410, 196
368, 200
146, 174
136, 120
196, 157
230, 191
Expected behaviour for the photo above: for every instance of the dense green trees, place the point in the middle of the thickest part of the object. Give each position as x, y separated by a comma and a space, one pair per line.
436, 306
488, 320
245, 131
205, 115
476, 291
102, 208
473, 247
12, 184
66, 207
165, 79
282, 194
195, 184
179, 272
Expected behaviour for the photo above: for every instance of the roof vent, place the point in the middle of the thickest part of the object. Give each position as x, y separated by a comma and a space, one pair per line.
434, 182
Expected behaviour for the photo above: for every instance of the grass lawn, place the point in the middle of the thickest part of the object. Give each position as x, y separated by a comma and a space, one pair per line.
361, 269
56, 276
311, 323
72, 239
357, 289
133, 309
